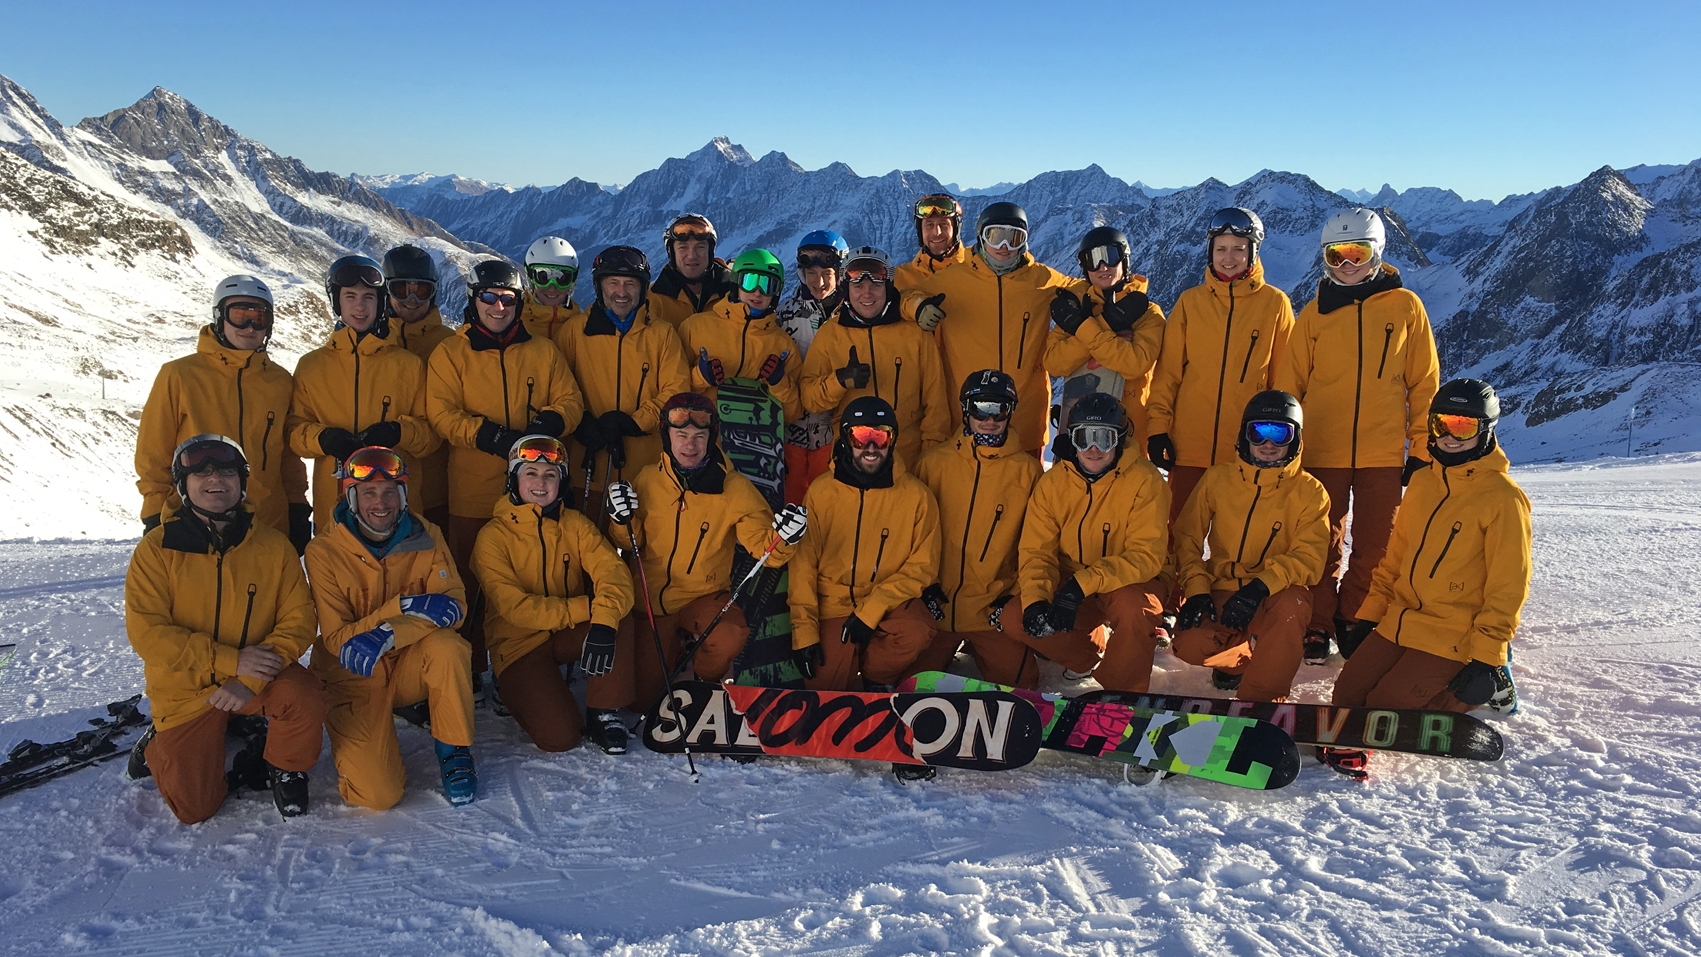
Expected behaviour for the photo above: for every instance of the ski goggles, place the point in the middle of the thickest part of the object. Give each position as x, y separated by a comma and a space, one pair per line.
865, 270
375, 462
988, 409
817, 260
355, 273
423, 289
938, 204
1232, 220
1100, 257
493, 298
870, 436
553, 277
691, 229
248, 315
1356, 253
1105, 438
539, 448
208, 457
1462, 427
689, 419
1004, 237
758, 282
1280, 433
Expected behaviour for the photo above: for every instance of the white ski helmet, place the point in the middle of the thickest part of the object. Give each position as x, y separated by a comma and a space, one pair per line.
241, 284
552, 251
1355, 225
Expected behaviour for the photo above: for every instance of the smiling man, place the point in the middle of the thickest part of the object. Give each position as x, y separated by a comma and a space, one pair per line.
693, 279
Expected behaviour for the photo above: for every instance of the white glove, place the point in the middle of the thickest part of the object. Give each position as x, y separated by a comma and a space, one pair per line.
791, 522
622, 502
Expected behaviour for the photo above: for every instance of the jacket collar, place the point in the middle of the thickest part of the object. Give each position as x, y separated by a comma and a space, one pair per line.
1251, 282
598, 323
483, 341
846, 472
231, 360
402, 332
410, 535
347, 341
1332, 295
186, 532
848, 318
1268, 478
717, 284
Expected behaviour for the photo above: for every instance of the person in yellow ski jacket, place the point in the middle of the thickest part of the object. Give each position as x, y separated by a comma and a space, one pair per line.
230, 386
216, 608
739, 337
410, 289
1265, 524
1362, 360
693, 279
552, 267
938, 231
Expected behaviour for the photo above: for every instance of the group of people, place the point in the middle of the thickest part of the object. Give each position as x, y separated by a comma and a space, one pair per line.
544, 487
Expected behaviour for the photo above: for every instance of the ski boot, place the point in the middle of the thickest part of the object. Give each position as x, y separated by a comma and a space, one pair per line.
289, 790
1165, 631
1505, 699
606, 730
1352, 763
1223, 681
417, 714
905, 773
477, 688
1316, 646
460, 780
497, 707
138, 768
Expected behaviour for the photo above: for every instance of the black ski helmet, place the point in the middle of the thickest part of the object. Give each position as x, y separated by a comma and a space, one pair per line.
493, 274
362, 271
1472, 397
987, 385
197, 452
1000, 214
1238, 221
938, 204
1271, 405
1104, 236
1094, 408
868, 410
409, 262
622, 261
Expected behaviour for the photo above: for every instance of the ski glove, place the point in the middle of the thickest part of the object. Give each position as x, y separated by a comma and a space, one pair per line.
995, 615
440, 610
1349, 638
1414, 465
589, 434
387, 434
1066, 604
338, 443
1243, 604
548, 422
622, 502
360, 654
1121, 315
930, 313
1194, 611
791, 523
711, 369
1161, 451
493, 439
1474, 684
774, 368
616, 427
1066, 311
934, 598
300, 526
598, 657
1036, 620
854, 374
809, 659
855, 630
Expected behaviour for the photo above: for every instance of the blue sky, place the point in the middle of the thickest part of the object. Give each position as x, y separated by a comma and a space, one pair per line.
1484, 98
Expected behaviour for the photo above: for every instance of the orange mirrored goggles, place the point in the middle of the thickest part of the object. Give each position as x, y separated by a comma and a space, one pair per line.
375, 462
539, 448
1353, 253
870, 436
688, 419
1462, 427
866, 270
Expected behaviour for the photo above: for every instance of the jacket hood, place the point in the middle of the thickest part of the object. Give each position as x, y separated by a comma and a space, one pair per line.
846, 472
228, 358
1332, 295
717, 283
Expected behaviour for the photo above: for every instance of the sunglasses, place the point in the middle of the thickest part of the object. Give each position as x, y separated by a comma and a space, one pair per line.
688, 419
553, 277
1101, 256
1105, 438
870, 436
1354, 253
375, 462
248, 315
937, 206
873, 272
1462, 427
412, 289
758, 282
539, 448
997, 411
504, 299
1280, 433
823, 261
1004, 237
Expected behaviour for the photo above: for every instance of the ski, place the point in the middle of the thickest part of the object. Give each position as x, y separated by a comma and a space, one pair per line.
1239, 751
6, 653
981, 731
29, 764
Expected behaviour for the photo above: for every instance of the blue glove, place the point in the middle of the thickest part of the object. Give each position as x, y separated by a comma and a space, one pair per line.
360, 654
440, 610
711, 369
774, 368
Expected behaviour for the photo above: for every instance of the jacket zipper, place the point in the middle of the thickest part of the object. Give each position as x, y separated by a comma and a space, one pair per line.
384, 414
702, 533
1411, 575
997, 516
1274, 529
1081, 527
1387, 340
241, 404
873, 367
672, 552
1000, 280
963, 562
266, 440
1104, 546
1247, 364
531, 411
856, 541
218, 596
897, 376
502, 363
1448, 544
638, 398
880, 553
1240, 553
743, 347
1222, 377
1358, 384
543, 556
1022, 346
247, 616
356, 428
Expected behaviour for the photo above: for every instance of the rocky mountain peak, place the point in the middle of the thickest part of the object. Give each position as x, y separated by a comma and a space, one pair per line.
721, 149
160, 124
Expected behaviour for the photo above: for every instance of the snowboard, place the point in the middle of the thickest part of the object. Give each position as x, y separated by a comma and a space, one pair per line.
1240, 751
752, 435
6, 653
980, 731
1441, 734
29, 764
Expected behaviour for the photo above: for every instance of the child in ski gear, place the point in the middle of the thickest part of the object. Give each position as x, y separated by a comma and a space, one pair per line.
556, 594
872, 548
693, 279
1362, 360
1246, 607
981, 482
552, 267
389, 600
1093, 541
215, 605
359, 388
410, 293
868, 350
738, 337
821, 267
688, 510
230, 386
938, 231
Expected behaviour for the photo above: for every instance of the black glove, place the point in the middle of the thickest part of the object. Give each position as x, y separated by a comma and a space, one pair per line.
1066, 604
995, 614
150, 522
854, 374
1036, 620
1414, 465
1121, 315
809, 659
1348, 639
300, 526
387, 434
934, 598
616, 427
338, 443
598, 656
1243, 604
1194, 611
589, 434
493, 439
1066, 311
548, 422
1474, 684
1161, 451
856, 631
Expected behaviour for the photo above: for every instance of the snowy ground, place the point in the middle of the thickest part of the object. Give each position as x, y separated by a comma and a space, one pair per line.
1585, 839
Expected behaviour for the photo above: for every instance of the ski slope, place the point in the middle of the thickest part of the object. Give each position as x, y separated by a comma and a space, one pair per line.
1586, 839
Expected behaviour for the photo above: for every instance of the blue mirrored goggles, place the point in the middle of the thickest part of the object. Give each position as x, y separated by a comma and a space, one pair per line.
1281, 433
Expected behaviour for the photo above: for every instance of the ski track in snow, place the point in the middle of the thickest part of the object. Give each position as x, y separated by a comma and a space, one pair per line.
1585, 839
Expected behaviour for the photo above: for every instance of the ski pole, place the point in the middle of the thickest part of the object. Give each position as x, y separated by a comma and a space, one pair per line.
590, 473
602, 506
661, 656
697, 642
